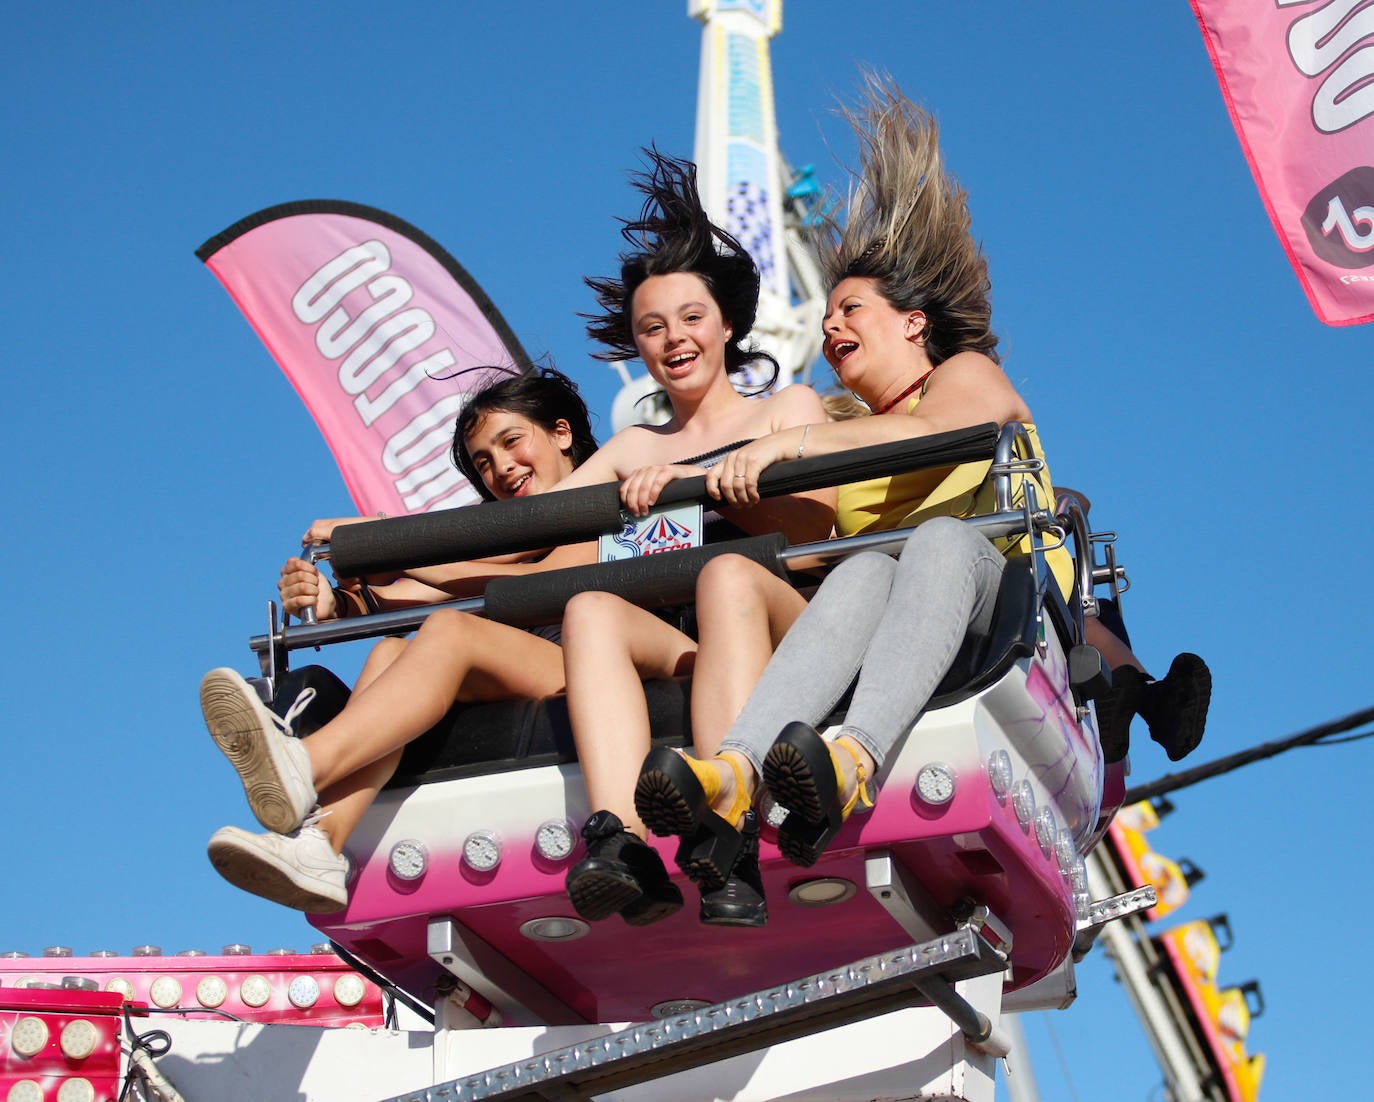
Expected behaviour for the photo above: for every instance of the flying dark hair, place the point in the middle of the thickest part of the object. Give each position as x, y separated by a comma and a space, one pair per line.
673, 234
545, 396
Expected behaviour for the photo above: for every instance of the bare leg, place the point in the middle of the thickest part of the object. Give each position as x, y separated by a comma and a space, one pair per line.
454, 656
609, 645
743, 611
1114, 652
345, 802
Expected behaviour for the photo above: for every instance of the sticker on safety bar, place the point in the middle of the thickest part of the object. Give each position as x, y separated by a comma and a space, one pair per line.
675, 529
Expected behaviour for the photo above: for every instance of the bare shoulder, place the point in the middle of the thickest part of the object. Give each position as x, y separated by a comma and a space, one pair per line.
639, 446
977, 384
795, 405
616, 458
972, 366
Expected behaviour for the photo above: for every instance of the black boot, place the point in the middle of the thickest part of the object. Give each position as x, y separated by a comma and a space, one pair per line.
1176, 707
621, 874
1115, 710
739, 901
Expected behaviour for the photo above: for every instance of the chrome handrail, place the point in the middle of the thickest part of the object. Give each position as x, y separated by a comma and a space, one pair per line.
1070, 511
1006, 462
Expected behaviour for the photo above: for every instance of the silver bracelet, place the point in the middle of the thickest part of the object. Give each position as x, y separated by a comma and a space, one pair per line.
801, 448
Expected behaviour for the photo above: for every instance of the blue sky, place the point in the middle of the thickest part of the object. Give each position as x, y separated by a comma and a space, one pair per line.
161, 468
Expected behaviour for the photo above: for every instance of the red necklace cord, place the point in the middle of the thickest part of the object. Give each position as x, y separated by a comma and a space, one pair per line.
907, 393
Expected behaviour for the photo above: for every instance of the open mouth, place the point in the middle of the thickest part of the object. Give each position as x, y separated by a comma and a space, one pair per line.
842, 349
680, 363
519, 486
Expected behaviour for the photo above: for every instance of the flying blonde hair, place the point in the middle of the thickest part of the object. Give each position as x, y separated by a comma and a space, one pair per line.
907, 225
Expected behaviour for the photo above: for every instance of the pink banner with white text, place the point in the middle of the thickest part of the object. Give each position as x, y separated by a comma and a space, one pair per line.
1298, 80
375, 325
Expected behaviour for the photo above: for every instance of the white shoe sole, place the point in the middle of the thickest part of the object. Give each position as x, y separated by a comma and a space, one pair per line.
231, 713
248, 867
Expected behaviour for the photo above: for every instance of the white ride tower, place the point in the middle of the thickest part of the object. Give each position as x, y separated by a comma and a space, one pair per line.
749, 189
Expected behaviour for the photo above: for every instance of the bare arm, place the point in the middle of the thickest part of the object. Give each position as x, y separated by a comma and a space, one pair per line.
301, 586
802, 517
469, 579
968, 389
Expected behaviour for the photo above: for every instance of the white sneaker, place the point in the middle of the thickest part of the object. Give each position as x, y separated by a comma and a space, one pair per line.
273, 765
299, 869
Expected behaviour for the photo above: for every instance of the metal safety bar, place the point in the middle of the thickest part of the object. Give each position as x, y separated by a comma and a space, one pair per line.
1006, 462
396, 621
913, 976
1072, 516
1110, 573
588, 512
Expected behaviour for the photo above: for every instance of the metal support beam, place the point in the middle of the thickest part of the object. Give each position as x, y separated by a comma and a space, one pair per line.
476, 964
864, 989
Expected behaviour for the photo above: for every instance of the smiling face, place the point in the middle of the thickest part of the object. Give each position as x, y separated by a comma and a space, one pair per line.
871, 345
517, 457
679, 330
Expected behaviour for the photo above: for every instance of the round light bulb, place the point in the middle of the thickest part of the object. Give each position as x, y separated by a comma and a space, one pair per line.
304, 992
482, 850
211, 991
1065, 849
1046, 830
935, 784
349, 990
999, 773
1023, 802
555, 839
79, 1038
408, 860
29, 1036
123, 986
255, 990
76, 1090
165, 992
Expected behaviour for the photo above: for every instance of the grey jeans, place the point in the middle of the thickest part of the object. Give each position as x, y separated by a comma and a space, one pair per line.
898, 624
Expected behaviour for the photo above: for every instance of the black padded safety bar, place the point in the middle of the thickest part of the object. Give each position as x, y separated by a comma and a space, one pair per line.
941, 449
492, 528
650, 581
573, 516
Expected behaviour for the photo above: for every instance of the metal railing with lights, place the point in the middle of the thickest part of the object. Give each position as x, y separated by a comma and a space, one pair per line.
281, 986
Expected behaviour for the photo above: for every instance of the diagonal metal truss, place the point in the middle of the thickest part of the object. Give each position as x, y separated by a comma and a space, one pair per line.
917, 975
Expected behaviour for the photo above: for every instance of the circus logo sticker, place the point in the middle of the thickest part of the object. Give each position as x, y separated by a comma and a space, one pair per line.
676, 529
